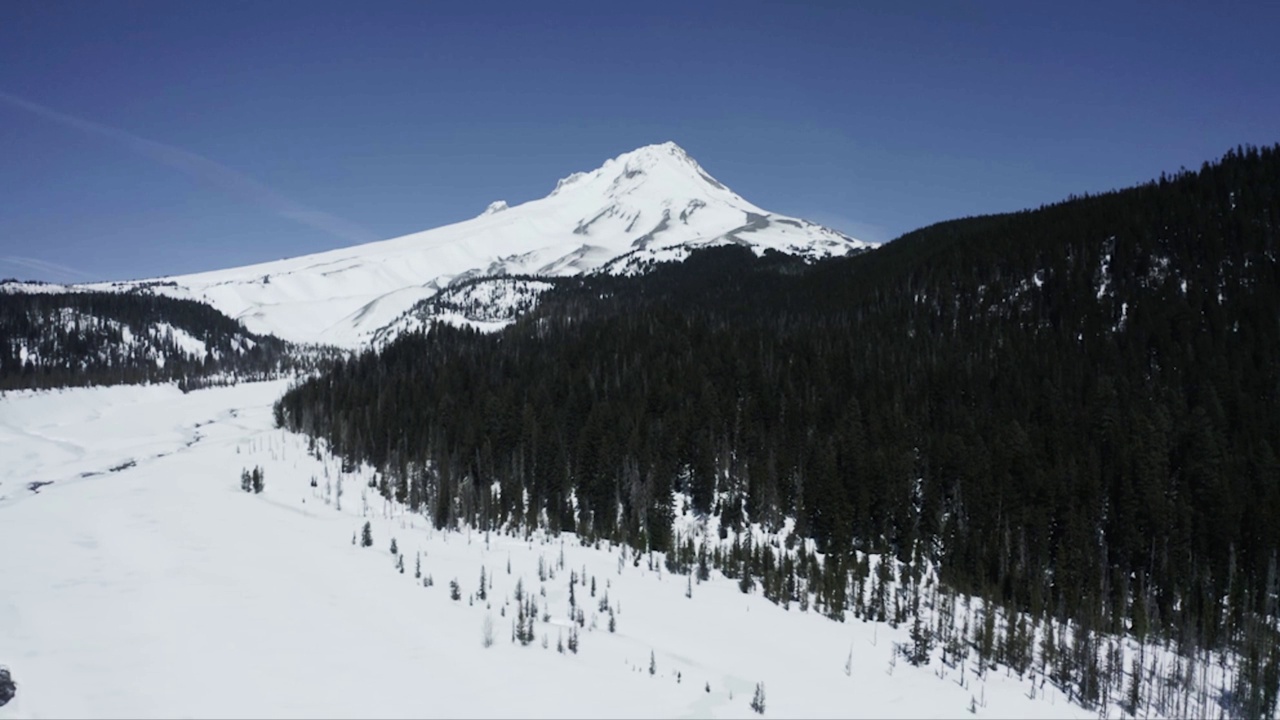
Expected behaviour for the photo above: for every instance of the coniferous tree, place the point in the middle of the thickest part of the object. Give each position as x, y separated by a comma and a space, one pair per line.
8, 688
757, 700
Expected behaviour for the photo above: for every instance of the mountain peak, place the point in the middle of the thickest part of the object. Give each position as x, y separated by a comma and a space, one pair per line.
651, 204
662, 164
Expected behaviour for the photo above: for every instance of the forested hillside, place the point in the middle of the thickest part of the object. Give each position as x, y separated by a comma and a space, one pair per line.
1070, 410
58, 339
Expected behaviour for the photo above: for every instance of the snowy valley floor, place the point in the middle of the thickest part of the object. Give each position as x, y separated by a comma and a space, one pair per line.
142, 582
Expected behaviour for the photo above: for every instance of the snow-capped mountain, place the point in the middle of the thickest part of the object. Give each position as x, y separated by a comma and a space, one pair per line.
649, 204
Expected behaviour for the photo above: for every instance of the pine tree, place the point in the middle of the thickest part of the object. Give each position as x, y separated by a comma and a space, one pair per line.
400, 563
757, 700
921, 648
366, 535
482, 593
455, 592
522, 632
417, 563
8, 688
653, 664
745, 582
486, 631
395, 550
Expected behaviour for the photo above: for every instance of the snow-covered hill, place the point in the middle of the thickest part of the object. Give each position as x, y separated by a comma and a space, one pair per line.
653, 203
74, 338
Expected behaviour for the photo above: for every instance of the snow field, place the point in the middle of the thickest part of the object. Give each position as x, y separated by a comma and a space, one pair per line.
162, 589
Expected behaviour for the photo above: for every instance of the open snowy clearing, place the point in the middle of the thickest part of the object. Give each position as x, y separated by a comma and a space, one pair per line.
159, 588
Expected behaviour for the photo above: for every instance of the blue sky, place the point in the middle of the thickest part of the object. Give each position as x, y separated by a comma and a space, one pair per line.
149, 138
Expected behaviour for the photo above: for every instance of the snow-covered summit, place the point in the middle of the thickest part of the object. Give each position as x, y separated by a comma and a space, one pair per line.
655, 202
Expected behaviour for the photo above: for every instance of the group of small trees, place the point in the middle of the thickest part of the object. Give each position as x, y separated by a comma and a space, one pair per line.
252, 481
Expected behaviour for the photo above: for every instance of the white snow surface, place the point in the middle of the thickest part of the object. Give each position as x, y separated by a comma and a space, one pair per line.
650, 199
160, 589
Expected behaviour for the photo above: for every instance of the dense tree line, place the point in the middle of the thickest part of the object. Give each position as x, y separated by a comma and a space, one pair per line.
1070, 410
107, 338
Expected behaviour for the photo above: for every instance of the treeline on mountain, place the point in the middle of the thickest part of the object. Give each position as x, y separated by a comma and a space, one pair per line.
487, 298
1070, 410
107, 338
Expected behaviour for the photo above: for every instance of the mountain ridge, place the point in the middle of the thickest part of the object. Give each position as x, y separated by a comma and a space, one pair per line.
653, 203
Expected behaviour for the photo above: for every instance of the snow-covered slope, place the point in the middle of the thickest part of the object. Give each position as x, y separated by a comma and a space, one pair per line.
651, 203
139, 581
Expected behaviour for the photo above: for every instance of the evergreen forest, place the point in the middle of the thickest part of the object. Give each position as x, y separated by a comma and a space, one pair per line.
1070, 411
61, 339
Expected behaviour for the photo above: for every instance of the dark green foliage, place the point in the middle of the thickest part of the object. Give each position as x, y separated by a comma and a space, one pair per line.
1070, 410
757, 700
8, 688
366, 535
79, 338
253, 481
921, 648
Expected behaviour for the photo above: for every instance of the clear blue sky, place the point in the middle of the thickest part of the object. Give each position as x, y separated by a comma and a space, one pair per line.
148, 138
